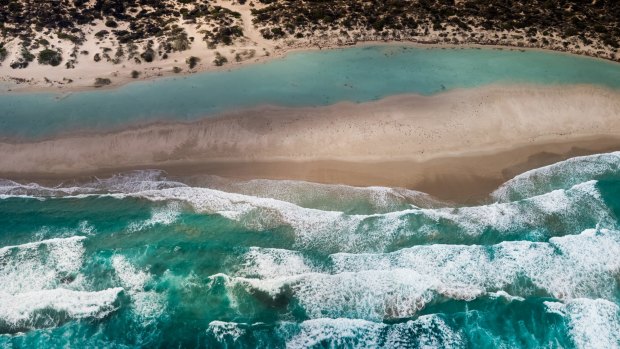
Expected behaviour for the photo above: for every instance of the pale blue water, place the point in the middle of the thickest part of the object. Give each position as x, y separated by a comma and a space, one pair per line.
300, 79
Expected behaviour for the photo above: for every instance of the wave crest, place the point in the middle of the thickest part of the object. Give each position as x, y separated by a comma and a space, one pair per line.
49, 308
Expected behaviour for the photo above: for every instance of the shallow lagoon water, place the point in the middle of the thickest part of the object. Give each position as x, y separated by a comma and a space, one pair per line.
312, 78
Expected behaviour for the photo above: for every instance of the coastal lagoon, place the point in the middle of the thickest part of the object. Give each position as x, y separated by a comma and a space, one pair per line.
147, 259
310, 78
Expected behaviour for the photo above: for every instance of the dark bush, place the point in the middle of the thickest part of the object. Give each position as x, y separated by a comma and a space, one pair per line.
27, 55
19, 65
220, 60
192, 62
148, 55
49, 57
111, 23
102, 82
73, 38
101, 34
3, 53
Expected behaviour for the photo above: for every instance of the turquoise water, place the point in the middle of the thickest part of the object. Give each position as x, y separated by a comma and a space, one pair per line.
300, 79
143, 260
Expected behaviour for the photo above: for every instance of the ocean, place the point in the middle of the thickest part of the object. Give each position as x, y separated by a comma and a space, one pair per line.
142, 260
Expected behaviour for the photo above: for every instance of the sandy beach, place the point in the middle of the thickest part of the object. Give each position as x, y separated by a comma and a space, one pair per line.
457, 145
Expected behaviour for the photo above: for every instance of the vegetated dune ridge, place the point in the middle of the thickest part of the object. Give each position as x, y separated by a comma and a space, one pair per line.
94, 44
457, 145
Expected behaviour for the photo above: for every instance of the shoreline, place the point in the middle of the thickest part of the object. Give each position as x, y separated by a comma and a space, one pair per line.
457, 145
460, 179
276, 111
277, 54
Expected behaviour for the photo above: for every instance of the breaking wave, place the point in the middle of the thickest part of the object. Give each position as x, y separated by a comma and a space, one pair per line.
49, 308
561, 175
142, 259
401, 284
538, 218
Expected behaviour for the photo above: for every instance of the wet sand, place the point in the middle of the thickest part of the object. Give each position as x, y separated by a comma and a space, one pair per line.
457, 146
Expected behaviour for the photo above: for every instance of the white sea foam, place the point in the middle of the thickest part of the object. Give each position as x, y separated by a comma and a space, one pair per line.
332, 230
133, 280
329, 197
39, 265
306, 194
567, 209
134, 181
399, 284
429, 331
271, 262
149, 305
159, 216
566, 267
128, 182
593, 323
506, 296
10, 188
20, 310
370, 294
565, 205
226, 330
40, 277
561, 175
86, 228
352, 333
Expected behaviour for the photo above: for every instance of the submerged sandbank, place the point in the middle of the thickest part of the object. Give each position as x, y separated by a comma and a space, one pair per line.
457, 145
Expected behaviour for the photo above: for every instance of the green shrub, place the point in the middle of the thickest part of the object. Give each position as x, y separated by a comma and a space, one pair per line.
148, 55
101, 34
192, 62
220, 60
111, 23
3, 53
26, 55
49, 57
74, 39
135, 74
20, 64
102, 82
272, 33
